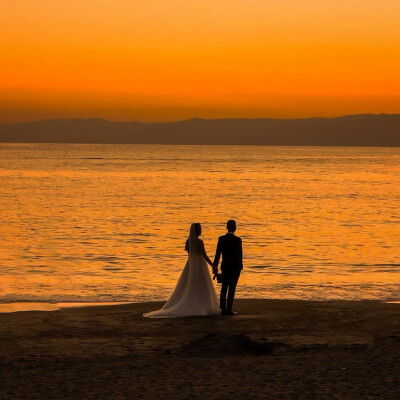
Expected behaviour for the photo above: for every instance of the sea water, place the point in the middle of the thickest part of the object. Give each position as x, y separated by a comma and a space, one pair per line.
101, 223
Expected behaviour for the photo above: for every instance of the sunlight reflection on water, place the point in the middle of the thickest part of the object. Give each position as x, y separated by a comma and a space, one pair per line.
109, 222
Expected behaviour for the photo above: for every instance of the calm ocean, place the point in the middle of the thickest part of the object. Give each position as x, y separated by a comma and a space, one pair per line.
109, 222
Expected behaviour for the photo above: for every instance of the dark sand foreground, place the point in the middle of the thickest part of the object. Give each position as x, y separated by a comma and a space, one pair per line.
273, 350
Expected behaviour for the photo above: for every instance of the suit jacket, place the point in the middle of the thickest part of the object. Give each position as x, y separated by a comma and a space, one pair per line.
230, 246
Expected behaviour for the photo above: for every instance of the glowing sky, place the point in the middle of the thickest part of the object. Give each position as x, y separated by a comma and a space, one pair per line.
155, 60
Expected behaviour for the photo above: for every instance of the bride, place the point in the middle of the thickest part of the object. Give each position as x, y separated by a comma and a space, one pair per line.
194, 293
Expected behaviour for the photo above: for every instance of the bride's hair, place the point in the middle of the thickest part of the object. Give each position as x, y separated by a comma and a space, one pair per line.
196, 228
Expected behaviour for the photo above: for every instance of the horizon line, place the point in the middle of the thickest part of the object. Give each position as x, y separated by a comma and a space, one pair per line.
195, 118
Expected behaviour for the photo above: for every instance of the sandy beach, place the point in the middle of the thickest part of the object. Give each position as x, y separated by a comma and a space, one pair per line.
275, 349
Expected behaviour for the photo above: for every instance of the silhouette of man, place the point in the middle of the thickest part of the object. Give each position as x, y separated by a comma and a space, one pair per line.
230, 246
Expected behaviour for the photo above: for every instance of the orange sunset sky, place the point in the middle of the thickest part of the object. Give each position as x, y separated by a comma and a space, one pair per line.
163, 60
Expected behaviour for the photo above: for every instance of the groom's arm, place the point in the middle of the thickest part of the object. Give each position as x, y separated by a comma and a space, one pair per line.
217, 256
241, 254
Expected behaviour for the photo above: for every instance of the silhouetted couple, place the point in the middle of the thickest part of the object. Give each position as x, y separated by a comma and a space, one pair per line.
194, 293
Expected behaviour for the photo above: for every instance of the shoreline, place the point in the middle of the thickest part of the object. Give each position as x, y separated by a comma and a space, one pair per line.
41, 306
26, 306
275, 349
45, 306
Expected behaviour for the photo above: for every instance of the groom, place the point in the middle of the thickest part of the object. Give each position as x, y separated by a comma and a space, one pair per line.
230, 246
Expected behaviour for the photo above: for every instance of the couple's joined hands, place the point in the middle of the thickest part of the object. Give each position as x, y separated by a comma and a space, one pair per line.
214, 269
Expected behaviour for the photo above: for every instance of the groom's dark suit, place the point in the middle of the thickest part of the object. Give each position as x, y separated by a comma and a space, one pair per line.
230, 246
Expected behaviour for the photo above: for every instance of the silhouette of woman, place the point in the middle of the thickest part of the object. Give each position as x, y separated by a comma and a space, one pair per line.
194, 293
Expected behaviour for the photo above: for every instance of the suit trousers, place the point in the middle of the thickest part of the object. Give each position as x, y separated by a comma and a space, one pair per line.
229, 282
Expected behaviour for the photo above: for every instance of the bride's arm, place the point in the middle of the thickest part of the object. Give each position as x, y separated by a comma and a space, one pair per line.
204, 254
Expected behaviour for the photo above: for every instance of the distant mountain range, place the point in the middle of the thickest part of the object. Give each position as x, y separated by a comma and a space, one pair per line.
350, 130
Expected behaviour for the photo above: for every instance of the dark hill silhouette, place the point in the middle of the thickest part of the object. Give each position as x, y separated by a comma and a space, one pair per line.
350, 130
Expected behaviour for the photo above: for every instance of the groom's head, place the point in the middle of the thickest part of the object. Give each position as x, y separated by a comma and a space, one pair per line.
231, 225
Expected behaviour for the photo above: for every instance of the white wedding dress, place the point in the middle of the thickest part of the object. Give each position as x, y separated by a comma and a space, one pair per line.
194, 293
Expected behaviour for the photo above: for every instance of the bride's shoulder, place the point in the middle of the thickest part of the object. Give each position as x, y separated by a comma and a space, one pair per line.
200, 242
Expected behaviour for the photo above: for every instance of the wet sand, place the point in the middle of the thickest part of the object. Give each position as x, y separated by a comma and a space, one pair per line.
275, 349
